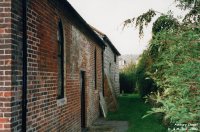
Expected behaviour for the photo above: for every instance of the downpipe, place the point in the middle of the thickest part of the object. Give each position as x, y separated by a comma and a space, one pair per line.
24, 70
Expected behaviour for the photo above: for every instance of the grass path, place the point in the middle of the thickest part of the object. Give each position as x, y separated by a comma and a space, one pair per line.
131, 109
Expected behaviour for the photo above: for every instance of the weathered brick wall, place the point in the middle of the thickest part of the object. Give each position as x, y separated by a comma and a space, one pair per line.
6, 65
43, 111
17, 31
113, 69
10, 65
82, 56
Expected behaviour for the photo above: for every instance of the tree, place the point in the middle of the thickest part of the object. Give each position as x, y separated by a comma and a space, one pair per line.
175, 67
193, 16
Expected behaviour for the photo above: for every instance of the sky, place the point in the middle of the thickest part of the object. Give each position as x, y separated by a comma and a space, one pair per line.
108, 17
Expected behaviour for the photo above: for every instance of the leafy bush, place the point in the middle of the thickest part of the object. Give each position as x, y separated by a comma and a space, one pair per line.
145, 84
164, 22
128, 79
176, 72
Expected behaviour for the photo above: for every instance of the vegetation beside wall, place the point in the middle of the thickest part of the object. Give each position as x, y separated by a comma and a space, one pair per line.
128, 79
176, 71
144, 83
168, 73
174, 65
133, 78
131, 109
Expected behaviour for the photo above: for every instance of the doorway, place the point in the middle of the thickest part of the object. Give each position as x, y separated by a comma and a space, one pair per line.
83, 109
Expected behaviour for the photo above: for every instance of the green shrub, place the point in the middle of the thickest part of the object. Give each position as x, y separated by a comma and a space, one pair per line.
164, 22
145, 84
128, 79
176, 72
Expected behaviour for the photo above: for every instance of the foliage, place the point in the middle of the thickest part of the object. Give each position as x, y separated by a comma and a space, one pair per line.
128, 78
142, 20
193, 16
187, 4
175, 62
131, 109
176, 72
164, 23
145, 85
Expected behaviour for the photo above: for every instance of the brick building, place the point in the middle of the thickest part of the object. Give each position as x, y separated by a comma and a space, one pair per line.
51, 67
111, 59
111, 65
111, 71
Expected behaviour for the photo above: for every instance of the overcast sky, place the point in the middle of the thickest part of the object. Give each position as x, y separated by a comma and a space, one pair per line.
108, 16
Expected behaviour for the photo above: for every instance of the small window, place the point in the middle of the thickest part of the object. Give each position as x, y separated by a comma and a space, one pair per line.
60, 38
115, 58
110, 66
95, 68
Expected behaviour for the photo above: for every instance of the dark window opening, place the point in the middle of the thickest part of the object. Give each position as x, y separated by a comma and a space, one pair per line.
110, 66
60, 61
124, 62
115, 58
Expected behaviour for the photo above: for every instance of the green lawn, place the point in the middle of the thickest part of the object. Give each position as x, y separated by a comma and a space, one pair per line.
131, 109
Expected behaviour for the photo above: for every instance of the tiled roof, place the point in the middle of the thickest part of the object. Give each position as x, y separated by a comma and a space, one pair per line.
106, 39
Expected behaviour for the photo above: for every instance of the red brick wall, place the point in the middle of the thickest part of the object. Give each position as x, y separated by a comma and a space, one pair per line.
43, 112
17, 37
83, 50
5, 65
10, 65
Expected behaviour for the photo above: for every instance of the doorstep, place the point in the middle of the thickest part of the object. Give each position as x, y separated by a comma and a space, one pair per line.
103, 125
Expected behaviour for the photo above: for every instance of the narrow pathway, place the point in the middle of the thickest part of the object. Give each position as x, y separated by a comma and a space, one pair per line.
103, 125
132, 108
